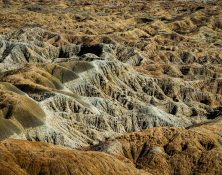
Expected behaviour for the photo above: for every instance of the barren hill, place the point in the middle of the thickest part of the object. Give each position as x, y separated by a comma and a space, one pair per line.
138, 80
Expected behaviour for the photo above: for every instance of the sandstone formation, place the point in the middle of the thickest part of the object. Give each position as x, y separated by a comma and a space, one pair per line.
138, 80
23, 158
196, 150
171, 150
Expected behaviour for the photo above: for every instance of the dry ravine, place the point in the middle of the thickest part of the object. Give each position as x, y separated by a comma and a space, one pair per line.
110, 87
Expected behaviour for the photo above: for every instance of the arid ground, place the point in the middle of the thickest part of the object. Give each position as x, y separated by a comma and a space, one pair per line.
107, 87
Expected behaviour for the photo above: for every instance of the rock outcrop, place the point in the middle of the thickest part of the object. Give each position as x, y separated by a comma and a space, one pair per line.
196, 150
139, 80
23, 158
92, 91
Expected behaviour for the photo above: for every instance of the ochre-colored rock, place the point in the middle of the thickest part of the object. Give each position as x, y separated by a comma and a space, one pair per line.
23, 157
135, 85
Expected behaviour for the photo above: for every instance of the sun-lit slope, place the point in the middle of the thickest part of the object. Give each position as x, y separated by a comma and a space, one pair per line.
134, 85
92, 91
90, 101
196, 150
171, 150
23, 158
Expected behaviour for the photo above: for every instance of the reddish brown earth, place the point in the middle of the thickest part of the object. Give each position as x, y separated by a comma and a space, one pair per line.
110, 87
154, 151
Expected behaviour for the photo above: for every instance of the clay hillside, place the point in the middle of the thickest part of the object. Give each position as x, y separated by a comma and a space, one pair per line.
107, 87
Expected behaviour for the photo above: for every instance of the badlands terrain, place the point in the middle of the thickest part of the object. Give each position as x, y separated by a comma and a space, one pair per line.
127, 87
